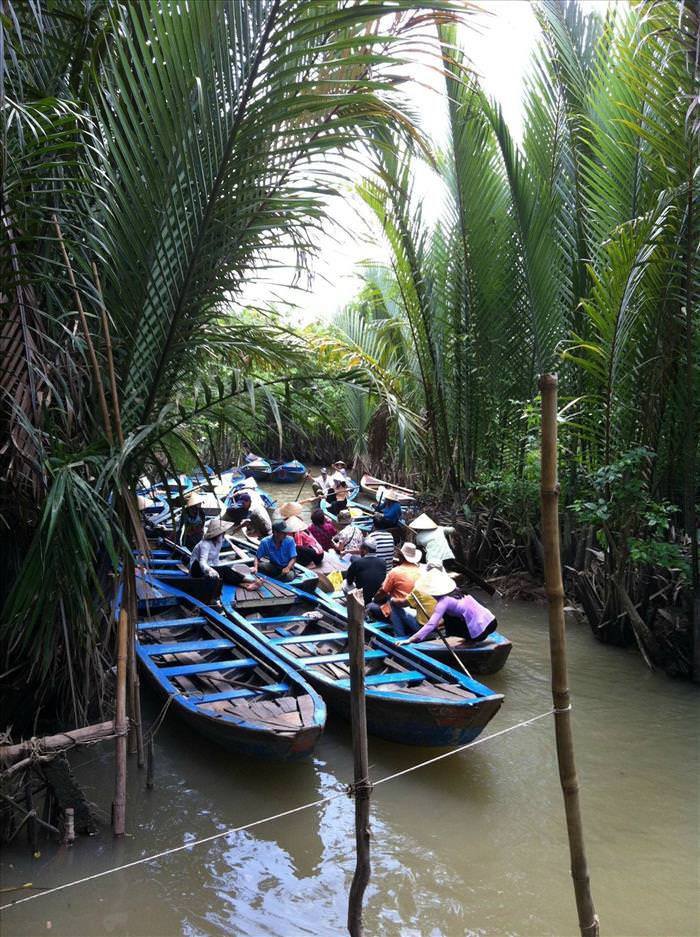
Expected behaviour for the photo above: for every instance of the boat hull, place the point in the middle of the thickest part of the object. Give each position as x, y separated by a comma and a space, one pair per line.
369, 486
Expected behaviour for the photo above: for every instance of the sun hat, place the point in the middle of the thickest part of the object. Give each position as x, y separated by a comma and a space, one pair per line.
294, 524
279, 527
193, 498
435, 582
344, 517
391, 495
409, 551
324, 469
423, 522
145, 502
291, 509
370, 544
216, 527
339, 462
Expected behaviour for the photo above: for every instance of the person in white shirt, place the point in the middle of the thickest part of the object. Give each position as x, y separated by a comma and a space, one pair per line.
432, 539
349, 538
322, 484
340, 473
205, 559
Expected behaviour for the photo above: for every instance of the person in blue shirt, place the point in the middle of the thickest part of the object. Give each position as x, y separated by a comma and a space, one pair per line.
277, 554
388, 513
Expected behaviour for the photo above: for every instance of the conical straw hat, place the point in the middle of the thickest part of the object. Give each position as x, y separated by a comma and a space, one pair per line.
435, 582
291, 509
193, 498
423, 522
391, 495
216, 526
295, 524
145, 502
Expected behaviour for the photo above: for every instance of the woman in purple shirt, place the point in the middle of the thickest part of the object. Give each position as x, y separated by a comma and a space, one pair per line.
462, 615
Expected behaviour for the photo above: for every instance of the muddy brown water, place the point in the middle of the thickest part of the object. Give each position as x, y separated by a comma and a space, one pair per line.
472, 845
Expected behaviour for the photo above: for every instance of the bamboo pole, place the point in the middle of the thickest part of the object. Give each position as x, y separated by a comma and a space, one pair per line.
588, 919
36, 747
120, 727
361, 787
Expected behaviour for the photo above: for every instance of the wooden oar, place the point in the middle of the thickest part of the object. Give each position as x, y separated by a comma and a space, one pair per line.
306, 475
444, 639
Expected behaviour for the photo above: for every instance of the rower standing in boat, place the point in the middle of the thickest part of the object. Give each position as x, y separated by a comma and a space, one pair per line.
340, 502
192, 521
432, 540
277, 554
322, 484
388, 511
391, 600
462, 616
204, 559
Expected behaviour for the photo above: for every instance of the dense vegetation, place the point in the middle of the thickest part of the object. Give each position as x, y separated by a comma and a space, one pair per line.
156, 159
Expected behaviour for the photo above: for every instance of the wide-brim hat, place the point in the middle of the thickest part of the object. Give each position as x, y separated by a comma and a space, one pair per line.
435, 582
409, 551
145, 503
345, 517
295, 523
216, 527
391, 495
339, 462
290, 509
193, 498
423, 522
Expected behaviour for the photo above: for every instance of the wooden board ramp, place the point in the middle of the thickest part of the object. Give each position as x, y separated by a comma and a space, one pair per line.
271, 593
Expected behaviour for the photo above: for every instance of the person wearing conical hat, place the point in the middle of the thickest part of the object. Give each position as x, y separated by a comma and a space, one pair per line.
192, 520
461, 614
309, 550
340, 472
388, 511
391, 600
432, 540
205, 561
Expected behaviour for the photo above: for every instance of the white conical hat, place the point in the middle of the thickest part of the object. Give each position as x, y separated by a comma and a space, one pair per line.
291, 509
215, 527
423, 522
391, 495
295, 523
193, 498
435, 582
145, 502
410, 552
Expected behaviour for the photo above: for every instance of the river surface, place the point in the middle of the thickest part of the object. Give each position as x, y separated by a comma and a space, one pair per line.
472, 845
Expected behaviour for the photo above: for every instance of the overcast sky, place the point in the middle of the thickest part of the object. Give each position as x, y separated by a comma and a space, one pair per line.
499, 45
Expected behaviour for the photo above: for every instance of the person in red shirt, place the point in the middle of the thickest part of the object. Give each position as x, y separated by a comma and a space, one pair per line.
309, 550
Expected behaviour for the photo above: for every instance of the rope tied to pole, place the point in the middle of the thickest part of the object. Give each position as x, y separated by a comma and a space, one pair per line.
361, 788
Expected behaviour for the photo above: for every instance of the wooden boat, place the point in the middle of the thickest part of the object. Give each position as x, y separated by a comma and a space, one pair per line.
482, 657
410, 698
258, 468
288, 472
369, 486
222, 682
171, 561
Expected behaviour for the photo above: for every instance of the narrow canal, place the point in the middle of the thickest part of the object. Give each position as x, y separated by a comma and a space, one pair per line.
472, 845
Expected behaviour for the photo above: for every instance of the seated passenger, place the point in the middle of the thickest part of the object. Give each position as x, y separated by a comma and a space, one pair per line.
366, 572
461, 614
309, 550
322, 529
391, 600
388, 512
277, 554
349, 537
204, 559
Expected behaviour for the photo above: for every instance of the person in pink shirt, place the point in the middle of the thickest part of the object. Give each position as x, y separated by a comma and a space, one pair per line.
322, 529
309, 550
461, 615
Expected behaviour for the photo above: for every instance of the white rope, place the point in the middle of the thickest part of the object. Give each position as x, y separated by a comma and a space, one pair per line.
277, 816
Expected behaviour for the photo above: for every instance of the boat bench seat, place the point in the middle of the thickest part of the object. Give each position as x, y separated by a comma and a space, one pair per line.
309, 638
278, 620
170, 623
186, 647
406, 676
337, 658
274, 688
209, 667
157, 561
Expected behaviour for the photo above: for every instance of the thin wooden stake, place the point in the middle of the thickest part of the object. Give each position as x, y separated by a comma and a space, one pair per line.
120, 727
69, 827
362, 787
149, 763
588, 919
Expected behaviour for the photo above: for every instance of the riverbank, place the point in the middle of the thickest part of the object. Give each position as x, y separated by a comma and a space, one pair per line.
473, 844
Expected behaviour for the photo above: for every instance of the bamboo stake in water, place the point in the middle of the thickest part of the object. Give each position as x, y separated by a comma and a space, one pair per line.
588, 919
361, 787
120, 727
